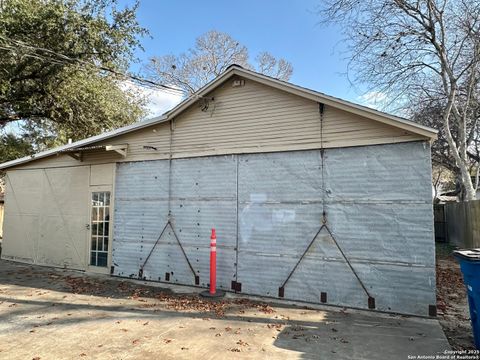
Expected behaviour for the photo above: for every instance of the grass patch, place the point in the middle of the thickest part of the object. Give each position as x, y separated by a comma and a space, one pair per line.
444, 250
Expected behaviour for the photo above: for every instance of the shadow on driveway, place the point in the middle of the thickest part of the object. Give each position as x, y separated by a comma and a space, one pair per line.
53, 313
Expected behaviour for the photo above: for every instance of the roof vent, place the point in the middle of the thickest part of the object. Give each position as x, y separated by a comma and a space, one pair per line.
238, 83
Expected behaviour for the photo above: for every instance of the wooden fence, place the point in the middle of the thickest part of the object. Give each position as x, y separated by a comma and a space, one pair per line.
458, 223
440, 223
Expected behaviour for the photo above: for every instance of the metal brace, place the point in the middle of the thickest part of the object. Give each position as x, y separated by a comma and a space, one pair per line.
281, 289
323, 295
140, 272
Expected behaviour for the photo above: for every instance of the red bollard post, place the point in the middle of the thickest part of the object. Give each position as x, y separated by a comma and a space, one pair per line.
213, 293
213, 262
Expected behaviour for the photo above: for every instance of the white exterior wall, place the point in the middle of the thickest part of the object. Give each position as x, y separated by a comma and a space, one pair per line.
47, 212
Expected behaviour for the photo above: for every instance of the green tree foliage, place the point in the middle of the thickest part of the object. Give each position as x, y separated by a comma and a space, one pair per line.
13, 147
60, 62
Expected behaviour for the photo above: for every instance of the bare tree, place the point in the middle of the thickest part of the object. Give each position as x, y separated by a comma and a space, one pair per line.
212, 54
420, 51
442, 182
431, 114
267, 64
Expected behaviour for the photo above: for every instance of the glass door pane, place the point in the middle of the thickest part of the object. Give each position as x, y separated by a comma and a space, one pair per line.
100, 224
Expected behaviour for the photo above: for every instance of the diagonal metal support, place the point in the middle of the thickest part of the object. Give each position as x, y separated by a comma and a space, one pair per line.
351, 267
140, 273
300, 260
281, 290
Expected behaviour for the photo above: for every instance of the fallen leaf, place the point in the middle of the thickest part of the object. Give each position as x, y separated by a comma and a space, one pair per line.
242, 343
275, 326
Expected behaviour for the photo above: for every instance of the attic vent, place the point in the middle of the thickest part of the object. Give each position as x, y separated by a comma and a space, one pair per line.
204, 103
238, 83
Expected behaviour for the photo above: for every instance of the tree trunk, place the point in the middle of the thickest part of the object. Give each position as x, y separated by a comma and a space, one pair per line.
470, 193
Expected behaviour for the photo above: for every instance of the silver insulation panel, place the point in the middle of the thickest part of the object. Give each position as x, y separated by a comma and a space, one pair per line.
203, 196
378, 207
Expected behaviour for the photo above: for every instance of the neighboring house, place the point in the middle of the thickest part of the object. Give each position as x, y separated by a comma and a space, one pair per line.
2, 200
266, 163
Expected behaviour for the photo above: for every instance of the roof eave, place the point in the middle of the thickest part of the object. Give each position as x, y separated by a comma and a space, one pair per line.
360, 110
83, 142
342, 104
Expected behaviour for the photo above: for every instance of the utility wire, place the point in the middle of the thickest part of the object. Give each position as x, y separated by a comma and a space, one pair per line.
64, 59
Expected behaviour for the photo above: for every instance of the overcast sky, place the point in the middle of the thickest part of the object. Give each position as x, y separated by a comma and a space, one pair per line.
285, 28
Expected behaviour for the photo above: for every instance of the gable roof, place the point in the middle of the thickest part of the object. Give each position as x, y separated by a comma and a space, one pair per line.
235, 70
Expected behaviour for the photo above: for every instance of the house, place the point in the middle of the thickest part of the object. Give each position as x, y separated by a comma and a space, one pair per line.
314, 199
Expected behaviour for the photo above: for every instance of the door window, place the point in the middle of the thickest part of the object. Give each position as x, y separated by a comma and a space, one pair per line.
100, 226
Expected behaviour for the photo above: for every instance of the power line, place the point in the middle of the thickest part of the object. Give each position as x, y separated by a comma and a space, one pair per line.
69, 60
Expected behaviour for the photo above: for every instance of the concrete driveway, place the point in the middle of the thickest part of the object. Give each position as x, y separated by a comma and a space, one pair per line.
50, 313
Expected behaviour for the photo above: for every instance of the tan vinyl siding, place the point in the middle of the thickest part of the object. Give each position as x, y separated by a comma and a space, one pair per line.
252, 118
157, 136
258, 118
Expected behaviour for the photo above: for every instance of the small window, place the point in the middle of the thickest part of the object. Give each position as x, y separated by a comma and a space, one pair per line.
100, 226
